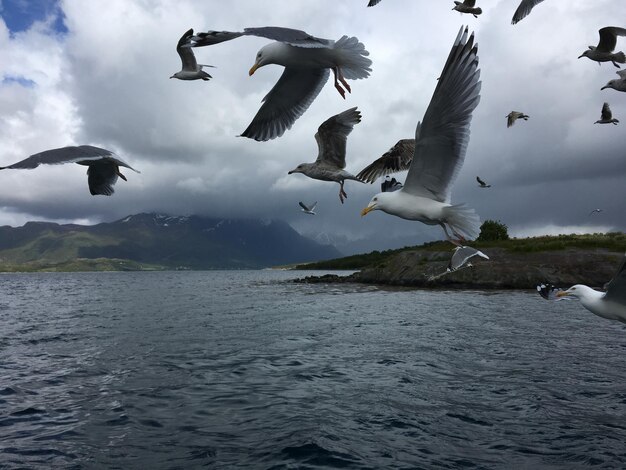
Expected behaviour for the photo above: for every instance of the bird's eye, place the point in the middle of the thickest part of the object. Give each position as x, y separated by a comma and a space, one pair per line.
375, 199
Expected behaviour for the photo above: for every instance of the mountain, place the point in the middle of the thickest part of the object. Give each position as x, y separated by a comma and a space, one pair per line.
159, 241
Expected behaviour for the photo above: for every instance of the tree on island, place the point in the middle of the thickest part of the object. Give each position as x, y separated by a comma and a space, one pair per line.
492, 230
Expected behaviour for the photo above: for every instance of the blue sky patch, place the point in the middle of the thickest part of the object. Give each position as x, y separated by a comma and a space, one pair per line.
19, 15
25, 82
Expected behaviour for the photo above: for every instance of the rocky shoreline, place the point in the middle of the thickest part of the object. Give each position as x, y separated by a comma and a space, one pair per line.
504, 270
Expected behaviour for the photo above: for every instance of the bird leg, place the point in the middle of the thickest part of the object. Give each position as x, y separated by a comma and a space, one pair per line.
339, 78
450, 239
342, 193
117, 172
614, 63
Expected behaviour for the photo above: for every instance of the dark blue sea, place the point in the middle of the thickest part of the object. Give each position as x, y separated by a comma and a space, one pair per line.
240, 369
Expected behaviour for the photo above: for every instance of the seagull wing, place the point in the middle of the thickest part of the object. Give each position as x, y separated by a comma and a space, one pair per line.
82, 153
608, 38
397, 158
287, 101
462, 255
606, 112
304, 206
213, 37
511, 118
481, 182
470, 3
616, 288
373, 2
622, 74
313, 206
441, 140
293, 37
186, 54
332, 137
523, 10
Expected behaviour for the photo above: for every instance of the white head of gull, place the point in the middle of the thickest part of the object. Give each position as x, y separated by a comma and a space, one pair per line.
440, 147
618, 84
307, 61
332, 137
104, 165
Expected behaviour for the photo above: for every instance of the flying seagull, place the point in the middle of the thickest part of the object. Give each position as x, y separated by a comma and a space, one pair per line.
373, 2
514, 116
481, 183
603, 52
461, 255
331, 139
306, 209
191, 69
104, 165
606, 117
397, 158
467, 6
610, 304
307, 61
618, 84
390, 185
594, 211
523, 10
440, 147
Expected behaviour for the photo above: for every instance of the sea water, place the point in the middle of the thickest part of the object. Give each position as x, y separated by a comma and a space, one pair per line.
243, 369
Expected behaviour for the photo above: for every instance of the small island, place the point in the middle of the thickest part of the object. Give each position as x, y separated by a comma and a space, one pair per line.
562, 260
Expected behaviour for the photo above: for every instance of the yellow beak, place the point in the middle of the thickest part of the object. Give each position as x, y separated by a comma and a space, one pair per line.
562, 293
253, 69
366, 210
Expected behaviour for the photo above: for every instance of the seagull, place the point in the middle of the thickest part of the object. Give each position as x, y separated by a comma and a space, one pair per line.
440, 147
618, 84
514, 116
331, 139
306, 209
607, 116
610, 304
603, 52
390, 185
481, 183
373, 2
307, 61
467, 6
523, 10
191, 69
594, 211
461, 255
104, 165
397, 158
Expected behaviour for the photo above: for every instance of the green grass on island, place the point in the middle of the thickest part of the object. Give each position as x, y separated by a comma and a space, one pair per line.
613, 241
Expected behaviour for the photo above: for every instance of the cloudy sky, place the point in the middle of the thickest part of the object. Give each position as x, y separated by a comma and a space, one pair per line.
89, 72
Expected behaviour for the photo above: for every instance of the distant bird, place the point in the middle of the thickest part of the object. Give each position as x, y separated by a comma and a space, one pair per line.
397, 158
603, 52
461, 256
514, 116
191, 69
104, 165
594, 211
607, 116
610, 304
467, 6
306, 209
390, 185
440, 147
618, 84
481, 183
373, 2
307, 61
331, 139
523, 10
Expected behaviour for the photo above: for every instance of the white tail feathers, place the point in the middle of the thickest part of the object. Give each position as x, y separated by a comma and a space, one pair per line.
355, 63
462, 220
